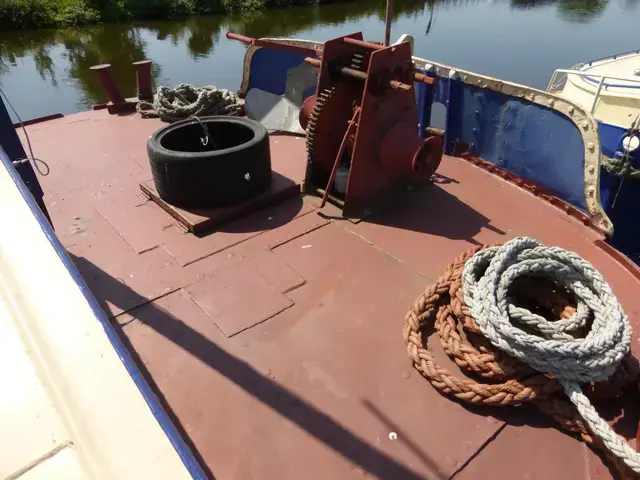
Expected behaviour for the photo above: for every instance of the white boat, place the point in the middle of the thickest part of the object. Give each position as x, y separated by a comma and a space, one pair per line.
74, 406
608, 87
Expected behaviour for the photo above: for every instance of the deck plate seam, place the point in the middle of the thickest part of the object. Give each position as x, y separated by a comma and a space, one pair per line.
388, 254
150, 300
227, 247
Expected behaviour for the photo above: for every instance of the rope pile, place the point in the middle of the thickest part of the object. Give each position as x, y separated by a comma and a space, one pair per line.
184, 101
621, 167
532, 324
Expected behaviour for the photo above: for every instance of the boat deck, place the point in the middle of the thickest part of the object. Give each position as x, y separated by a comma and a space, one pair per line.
275, 342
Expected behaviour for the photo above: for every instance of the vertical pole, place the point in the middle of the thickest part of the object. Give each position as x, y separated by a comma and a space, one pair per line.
425, 102
595, 99
387, 23
143, 79
107, 82
453, 115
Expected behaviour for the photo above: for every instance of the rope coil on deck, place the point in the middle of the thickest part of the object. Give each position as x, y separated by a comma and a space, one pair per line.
184, 101
495, 309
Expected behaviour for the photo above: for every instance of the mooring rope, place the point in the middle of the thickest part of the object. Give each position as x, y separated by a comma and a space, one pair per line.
184, 101
620, 167
494, 310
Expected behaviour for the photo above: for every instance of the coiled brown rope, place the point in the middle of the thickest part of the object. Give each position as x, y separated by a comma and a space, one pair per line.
502, 379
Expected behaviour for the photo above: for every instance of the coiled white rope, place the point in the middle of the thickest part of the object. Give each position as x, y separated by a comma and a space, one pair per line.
185, 101
572, 361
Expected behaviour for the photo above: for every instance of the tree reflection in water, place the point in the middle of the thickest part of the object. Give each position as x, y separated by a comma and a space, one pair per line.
122, 44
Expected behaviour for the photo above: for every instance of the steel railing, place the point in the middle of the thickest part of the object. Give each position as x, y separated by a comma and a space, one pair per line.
597, 80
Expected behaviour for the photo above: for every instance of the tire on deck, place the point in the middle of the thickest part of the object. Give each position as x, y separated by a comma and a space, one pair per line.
233, 166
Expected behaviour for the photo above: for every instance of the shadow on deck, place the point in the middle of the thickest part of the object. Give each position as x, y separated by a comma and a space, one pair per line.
288, 404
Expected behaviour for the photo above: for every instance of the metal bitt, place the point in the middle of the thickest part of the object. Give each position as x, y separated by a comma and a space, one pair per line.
143, 79
107, 82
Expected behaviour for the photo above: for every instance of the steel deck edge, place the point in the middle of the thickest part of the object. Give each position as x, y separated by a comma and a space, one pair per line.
184, 453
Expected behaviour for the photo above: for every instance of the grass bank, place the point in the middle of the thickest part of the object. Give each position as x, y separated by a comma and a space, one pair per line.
21, 14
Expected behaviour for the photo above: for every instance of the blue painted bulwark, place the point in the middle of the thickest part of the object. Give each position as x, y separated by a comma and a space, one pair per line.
424, 98
529, 140
269, 69
620, 198
536, 143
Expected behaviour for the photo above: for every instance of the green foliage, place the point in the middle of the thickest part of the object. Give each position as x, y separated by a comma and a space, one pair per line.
160, 8
74, 12
21, 14
26, 13
243, 5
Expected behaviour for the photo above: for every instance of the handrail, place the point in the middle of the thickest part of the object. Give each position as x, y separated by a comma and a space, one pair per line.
612, 57
591, 77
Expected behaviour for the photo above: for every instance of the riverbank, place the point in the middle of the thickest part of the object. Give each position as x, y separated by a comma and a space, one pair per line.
24, 14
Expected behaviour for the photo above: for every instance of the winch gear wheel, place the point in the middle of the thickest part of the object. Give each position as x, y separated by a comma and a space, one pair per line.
321, 100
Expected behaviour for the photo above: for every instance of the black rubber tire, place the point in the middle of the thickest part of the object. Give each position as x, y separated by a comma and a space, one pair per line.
188, 174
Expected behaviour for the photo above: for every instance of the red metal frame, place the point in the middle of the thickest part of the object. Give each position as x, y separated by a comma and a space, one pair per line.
272, 44
387, 151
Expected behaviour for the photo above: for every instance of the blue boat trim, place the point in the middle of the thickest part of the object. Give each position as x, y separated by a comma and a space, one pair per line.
488, 115
605, 84
185, 454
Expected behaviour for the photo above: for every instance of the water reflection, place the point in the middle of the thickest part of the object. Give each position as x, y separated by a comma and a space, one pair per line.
119, 45
64, 56
37, 46
570, 10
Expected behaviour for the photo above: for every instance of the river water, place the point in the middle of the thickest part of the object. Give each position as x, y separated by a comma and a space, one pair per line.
47, 71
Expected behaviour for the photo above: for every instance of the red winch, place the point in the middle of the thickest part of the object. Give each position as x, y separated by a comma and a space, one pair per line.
362, 124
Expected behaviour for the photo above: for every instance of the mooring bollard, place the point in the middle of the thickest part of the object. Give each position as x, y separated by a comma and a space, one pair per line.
143, 78
108, 83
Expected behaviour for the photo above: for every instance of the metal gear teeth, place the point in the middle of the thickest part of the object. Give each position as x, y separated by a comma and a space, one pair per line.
321, 99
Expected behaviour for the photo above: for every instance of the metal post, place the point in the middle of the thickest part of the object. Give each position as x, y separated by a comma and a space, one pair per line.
143, 78
387, 23
595, 99
107, 82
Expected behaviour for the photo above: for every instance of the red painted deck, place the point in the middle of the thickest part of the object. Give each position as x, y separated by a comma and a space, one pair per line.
276, 343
